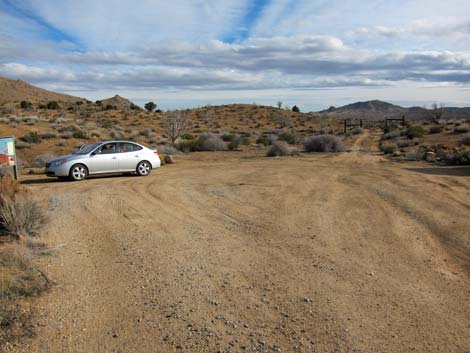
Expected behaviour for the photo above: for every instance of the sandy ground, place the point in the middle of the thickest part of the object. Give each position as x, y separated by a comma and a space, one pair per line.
235, 252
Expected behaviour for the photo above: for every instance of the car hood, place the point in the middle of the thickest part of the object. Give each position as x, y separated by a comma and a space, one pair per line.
69, 157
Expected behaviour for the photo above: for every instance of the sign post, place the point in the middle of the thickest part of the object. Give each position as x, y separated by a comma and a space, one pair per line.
8, 154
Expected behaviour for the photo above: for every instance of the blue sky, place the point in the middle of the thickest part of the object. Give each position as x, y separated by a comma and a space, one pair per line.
185, 53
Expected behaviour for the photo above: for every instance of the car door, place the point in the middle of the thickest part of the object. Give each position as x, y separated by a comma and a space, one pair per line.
104, 159
129, 156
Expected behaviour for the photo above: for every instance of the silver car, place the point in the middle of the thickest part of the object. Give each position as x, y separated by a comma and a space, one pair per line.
103, 158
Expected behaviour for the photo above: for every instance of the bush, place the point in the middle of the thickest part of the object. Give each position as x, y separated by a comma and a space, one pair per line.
288, 136
457, 158
9, 187
233, 145
415, 131
48, 135
357, 130
295, 109
462, 129
323, 143
26, 105
53, 105
388, 147
162, 149
22, 217
80, 135
437, 129
188, 145
391, 135
187, 136
465, 141
212, 143
31, 137
279, 148
405, 143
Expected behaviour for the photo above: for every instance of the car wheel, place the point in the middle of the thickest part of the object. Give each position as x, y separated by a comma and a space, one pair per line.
143, 168
78, 172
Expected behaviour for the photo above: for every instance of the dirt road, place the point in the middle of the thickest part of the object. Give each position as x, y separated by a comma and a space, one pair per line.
234, 252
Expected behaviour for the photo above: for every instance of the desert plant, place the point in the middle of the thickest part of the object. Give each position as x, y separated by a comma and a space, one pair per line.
279, 148
295, 109
461, 157
163, 149
21, 217
150, 106
357, 130
53, 105
9, 187
176, 125
288, 136
465, 141
211, 143
405, 143
388, 147
436, 129
31, 137
415, 131
461, 129
324, 143
26, 105
80, 135
233, 145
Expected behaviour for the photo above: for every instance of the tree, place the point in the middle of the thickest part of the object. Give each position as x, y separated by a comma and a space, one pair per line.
150, 106
176, 125
279, 104
295, 109
26, 105
437, 111
53, 105
281, 120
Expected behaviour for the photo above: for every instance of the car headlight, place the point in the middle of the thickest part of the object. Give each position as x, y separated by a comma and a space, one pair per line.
58, 162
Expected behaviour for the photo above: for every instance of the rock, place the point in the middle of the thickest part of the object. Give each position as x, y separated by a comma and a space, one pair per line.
430, 156
169, 159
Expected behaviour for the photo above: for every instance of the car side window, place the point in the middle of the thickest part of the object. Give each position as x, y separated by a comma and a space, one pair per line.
107, 148
128, 147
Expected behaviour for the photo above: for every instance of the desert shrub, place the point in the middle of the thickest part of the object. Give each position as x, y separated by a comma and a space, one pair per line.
324, 143
163, 149
405, 143
21, 145
457, 158
461, 129
279, 148
357, 130
95, 133
415, 131
21, 217
415, 155
263, 140
233, 145
62, 143
391, 135
31, 137
147, 132
4, 121
70, 127
230, 137
388, 147
188, 145
66, 135
288, 136
116, 135
465, 141
187, 136
436, 129
212, 143
133, 134
9, 187
41, 160
53, 105
80, 135
48, 135
26, 105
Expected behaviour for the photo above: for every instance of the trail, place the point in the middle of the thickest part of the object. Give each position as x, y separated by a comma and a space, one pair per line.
231, 252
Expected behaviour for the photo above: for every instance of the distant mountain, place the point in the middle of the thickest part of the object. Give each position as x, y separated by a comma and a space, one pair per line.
118, 102
377, 110
14, 91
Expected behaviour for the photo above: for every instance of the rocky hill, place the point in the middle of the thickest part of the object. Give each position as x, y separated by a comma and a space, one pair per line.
14, 91
118, 102
378, 110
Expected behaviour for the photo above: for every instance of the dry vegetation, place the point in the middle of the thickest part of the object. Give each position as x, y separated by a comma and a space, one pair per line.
20, 222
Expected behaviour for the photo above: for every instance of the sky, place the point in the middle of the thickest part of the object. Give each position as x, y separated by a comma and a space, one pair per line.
189, 53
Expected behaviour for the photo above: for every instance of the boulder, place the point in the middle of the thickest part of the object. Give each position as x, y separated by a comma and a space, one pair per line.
430, 156
169, 159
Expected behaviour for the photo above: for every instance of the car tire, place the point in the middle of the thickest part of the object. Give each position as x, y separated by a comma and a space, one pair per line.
143, 168
78, 172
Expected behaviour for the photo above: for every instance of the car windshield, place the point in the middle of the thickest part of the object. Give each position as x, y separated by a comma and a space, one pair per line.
87, 148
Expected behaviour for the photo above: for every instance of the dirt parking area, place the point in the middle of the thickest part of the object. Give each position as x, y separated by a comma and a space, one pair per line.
235, 252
